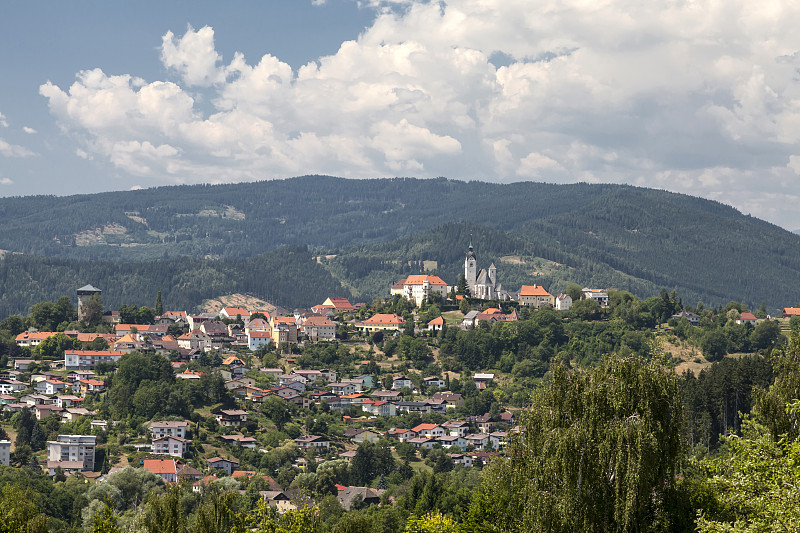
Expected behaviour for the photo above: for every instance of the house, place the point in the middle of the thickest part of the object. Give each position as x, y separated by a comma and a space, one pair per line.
484, 423
458, 428
85, 360
71, 414
278, 499
747, 318
77, 375
91, 385
166, 469
188, 473
389, 396
433, 381
421, 288
452, 400
478, 440
50, 386
401, 434
414, 407
75, 448
379, 407
693, 318
422, 442
216, 330
357, 383
497, 439
68, 400
195, 340
171, 445
239, 440
284, 330
319, 328
228, 465
169, 428
401, 382
342, 388
429, 430
361, 435
461, 459
257, 339
30, 338
563, 302
448, 441
482, 380
232, 313
8, 386
788, 312
598, 295
306, 442
231, 417
535, 296
334, 305
365, 495
469, 319
437, 324
382, 322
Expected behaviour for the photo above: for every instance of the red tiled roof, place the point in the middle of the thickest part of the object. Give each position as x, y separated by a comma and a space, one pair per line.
533, 290
160, 466
419, 279
382, 318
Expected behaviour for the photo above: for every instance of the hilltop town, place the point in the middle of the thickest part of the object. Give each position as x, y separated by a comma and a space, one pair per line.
429, 379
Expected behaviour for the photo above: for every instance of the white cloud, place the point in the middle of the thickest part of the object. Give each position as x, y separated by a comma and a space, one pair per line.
136, 188
697, 97
29, 130
14, 150
6, 181
3, 121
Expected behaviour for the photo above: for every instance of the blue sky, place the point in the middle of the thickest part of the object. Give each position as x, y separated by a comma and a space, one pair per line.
701, 97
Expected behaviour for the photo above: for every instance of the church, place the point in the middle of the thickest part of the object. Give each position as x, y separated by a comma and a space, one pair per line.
483, 284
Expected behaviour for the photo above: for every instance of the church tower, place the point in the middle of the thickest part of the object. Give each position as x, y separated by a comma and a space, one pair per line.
470, 266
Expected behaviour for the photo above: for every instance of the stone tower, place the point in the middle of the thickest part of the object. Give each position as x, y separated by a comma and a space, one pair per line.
84, 294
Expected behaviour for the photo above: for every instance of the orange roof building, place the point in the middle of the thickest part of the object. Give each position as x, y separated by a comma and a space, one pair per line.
536, 296
383, 322
422, 287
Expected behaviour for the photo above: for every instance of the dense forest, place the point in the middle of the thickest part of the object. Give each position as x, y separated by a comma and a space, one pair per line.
602, 235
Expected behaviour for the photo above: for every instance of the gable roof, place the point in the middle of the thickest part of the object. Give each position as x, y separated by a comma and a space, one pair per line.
533, 290
419, 279
161, 466
383, 318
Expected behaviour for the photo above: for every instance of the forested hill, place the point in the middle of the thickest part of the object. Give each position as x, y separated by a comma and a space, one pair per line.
604, 235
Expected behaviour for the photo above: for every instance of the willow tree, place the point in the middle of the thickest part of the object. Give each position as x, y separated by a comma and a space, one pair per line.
596, 451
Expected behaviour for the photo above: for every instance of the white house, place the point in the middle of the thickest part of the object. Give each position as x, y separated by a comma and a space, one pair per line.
563, 302
170, 445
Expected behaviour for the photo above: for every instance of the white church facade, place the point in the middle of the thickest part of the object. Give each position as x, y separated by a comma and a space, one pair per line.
482, 284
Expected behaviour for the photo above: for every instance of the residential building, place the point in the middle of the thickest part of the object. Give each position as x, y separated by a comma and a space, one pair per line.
228, 465
365, 495
171, 445
320, 444
319, 328
195, 340
231, 417
88, 359
421, 288
563, 302
167, 469
535, 296
383, 322
598, 295
437, 324
169, 428
72, 448
284, 330
401, 382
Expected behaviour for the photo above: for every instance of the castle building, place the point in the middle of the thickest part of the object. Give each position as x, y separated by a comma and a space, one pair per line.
482, 284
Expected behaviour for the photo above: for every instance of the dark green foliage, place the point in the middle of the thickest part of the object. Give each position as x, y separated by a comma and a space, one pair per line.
600, 235
597, 451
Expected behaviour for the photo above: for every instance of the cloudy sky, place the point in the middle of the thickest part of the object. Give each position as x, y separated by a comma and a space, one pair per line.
700, 97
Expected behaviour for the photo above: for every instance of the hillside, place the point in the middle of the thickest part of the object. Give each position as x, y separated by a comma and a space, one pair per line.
200, 242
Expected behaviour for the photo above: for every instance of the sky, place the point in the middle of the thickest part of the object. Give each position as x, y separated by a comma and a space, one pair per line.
698, 97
